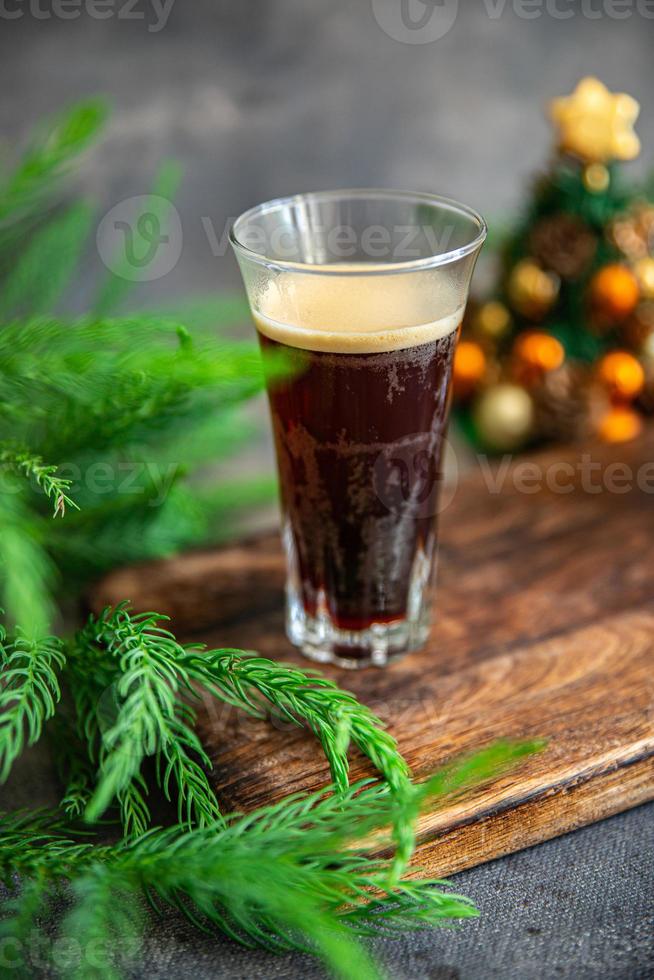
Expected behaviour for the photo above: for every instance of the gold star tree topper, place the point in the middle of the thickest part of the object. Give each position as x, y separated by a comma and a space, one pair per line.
596, 125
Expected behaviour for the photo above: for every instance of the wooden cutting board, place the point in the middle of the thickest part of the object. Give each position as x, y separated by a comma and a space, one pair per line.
545, 628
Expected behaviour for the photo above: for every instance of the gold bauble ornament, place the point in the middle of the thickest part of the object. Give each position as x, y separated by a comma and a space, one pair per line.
644, 272
622, 374
469, 367
531, 290
646, 396
596, 178
596, 125
647, 351
620, 424
504, 417
491, 321
614, 291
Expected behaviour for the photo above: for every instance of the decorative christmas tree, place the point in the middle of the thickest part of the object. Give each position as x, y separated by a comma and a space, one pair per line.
564, 350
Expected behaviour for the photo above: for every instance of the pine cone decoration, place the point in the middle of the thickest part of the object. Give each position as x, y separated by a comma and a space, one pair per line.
633, 233
646, 397
637, 330
566, 404
564, 244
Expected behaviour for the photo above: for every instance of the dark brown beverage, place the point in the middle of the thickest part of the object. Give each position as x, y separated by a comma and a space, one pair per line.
359, 440
364, 291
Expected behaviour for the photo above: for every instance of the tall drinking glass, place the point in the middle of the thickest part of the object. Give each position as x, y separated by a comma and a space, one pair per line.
363, 293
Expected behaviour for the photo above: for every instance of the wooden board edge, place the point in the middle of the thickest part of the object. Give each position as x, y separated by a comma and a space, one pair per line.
556, 811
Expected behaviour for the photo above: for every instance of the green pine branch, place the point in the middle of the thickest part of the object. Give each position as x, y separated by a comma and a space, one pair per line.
29, 465
333, 715
122, 411
151, 718
27, 573
153, 675
29, 692
55, 146
105, 917
44, 269
323, 888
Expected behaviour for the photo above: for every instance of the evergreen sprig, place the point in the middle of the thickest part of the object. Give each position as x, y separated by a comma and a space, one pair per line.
134, 667
299, 696
127, 664
294, 875
157, 394
31, 466
29, 691
117, 413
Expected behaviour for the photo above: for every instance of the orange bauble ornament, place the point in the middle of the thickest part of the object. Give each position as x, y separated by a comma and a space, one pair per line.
469, 367
620, 424
614, 291
535, 353
622, 374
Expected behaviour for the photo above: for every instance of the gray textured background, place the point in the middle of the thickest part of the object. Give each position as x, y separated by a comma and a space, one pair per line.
257, 99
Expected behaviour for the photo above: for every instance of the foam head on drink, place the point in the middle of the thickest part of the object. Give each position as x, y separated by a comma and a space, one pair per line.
358, 430
357, 313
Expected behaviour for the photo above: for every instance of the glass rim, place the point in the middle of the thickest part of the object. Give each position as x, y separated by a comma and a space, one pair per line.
361, 269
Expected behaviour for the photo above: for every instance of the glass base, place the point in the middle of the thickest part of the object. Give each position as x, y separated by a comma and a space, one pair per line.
320, 640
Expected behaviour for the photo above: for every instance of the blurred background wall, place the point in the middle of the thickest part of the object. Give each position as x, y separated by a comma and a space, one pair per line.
259, 98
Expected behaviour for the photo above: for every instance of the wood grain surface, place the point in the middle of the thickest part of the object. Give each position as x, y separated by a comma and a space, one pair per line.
544, 627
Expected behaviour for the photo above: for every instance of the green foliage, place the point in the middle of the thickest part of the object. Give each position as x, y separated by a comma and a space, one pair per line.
115, 415
150, 717
54, 147
118, 283
294, 875
47, 263
333, 715
29, 693
109, 420
133, 685
27, 574
45, 477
